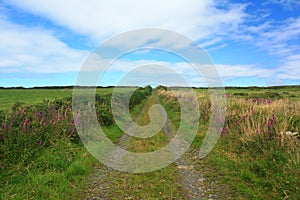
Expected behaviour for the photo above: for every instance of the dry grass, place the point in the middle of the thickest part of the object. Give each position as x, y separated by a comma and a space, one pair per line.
268, 120
250, 118
254, 154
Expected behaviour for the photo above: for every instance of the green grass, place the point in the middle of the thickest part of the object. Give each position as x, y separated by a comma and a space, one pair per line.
161, 184
256, 176
113, 132
254, 167
43, 158
288, 92
58, 172
152, 143
272, 93
8, 97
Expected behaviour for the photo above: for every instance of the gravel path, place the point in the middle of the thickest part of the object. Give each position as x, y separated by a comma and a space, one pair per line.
99, 184
196, 177
194, 181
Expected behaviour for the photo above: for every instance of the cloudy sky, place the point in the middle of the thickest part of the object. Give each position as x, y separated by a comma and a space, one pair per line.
250, 42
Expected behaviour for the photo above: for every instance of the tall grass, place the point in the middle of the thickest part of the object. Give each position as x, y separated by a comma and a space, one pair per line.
254, 154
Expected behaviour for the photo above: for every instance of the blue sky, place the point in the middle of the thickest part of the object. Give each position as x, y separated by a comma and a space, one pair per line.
250, 42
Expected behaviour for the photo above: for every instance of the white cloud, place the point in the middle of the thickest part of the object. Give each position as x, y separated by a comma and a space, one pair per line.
290, 70
216, 47
289, 30
100, 19
211, 42
240, 71
280, 39
287, 4
25, 49
149, 37
186, 70
277, 38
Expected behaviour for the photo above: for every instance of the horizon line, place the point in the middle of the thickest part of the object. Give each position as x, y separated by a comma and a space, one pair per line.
111, 86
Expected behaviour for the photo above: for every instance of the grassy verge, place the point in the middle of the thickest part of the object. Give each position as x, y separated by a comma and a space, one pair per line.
58, 172
253, 155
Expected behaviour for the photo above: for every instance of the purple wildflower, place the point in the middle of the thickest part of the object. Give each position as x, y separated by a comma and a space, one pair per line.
225, 131
220, 131
77, 120
4, 126
269, 123
51, 122
36, 114
73, 131
26, 122
273, 117
269, 101
64, 117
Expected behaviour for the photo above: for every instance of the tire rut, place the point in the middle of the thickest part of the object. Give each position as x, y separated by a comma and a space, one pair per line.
99, 184
194, 181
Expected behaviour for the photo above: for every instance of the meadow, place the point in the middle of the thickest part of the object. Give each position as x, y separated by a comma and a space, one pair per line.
256, 157
10, 96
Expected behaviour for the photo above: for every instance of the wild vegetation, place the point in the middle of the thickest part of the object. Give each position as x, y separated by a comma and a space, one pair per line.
41, 155
258, 152
257, 155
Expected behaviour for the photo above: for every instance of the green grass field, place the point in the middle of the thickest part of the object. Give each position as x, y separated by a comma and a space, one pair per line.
8, 97
42, 156
287, 92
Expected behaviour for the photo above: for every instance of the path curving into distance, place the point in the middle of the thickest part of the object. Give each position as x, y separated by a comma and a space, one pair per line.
193, 183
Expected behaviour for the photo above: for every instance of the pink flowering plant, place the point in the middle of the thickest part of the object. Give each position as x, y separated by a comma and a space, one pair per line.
33, 127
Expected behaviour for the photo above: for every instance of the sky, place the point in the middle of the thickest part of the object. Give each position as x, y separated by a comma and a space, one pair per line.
250, 43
